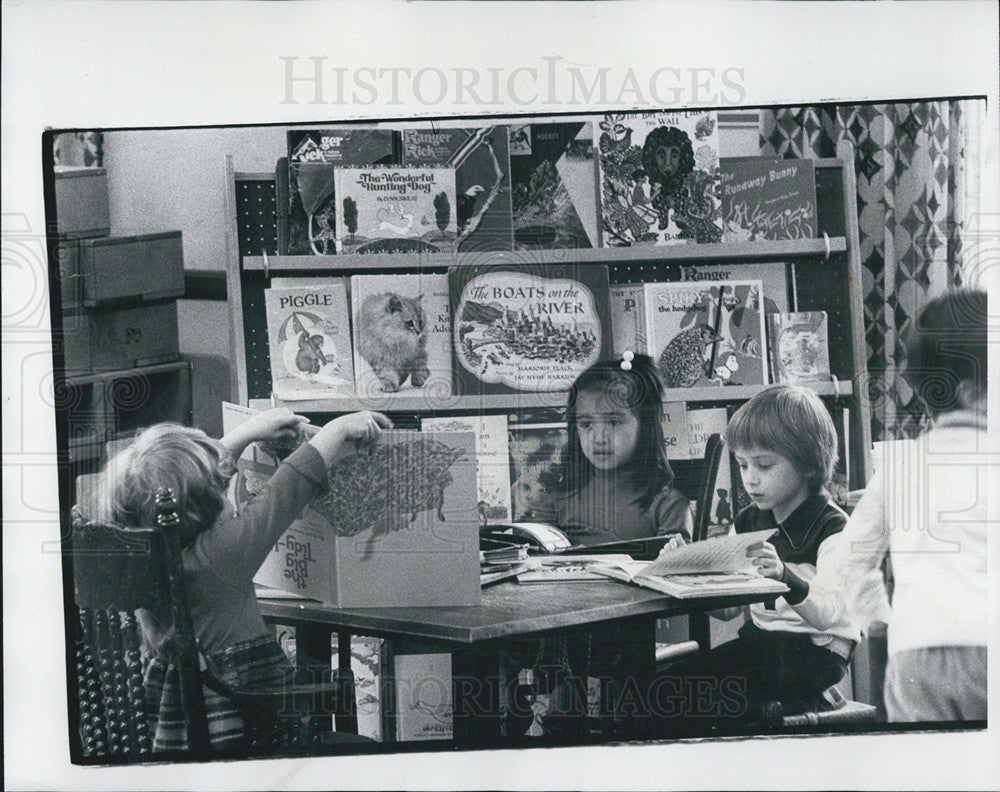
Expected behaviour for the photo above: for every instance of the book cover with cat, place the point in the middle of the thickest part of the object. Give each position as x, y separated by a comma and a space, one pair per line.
407, 495
313, 157
767, 198
702, 424
392, 209
703, 335
492, 460
527, 328
553, 173
800, 351
536, 440
309, 339
659, 178
402, 335
481, 162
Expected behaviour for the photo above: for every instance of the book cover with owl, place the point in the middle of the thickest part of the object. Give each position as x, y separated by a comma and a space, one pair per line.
553, 172
707, 334
524, 328
659, 178
767, 198
800, 351
402, 335
492, 460
482, 179
309, 339
392, 209
314, 155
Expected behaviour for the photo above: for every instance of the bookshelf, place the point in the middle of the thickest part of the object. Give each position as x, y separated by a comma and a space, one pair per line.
824, 273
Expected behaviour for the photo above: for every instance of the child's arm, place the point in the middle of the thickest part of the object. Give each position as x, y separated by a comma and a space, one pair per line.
277, 425
343, 435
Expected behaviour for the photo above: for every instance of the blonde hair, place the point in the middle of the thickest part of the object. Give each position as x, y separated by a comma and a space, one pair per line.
791, 421
196, 467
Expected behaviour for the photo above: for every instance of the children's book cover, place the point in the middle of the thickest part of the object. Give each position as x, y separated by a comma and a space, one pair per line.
423, 687
536, 443
800, 350
702, 424
407, 496
527, 328
309, 338
313, 157
402, 334
628, 317
481, 163
767, 198
368, 660
492, 460
553, 171
659, 177
675, 430
391, 209
702, 335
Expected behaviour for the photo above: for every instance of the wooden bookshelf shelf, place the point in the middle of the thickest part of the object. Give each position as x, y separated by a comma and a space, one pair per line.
519, 401
749, 251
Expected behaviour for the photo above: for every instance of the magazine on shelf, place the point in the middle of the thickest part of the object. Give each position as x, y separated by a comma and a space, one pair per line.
715, 566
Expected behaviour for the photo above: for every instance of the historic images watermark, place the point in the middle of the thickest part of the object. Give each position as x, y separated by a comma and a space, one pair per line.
552, 83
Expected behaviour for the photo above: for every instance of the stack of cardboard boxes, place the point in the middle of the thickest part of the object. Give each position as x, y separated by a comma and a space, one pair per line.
119, 317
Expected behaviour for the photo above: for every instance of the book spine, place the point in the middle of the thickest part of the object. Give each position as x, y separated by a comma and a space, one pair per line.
281, 203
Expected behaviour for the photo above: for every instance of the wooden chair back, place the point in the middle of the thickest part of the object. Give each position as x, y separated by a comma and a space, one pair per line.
117, 571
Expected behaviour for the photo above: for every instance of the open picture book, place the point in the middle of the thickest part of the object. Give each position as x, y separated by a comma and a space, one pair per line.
715, 566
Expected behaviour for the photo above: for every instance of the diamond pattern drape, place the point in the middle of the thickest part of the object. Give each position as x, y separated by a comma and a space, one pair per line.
915, 187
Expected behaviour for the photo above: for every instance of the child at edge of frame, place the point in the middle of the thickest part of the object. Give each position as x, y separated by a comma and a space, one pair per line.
221, 552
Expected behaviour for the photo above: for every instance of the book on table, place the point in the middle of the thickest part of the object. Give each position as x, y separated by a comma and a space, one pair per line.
712, 567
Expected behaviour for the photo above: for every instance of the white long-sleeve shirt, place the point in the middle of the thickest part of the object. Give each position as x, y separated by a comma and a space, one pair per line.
928, 505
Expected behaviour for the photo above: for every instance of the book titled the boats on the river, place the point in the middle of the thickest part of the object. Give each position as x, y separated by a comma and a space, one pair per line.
713, 567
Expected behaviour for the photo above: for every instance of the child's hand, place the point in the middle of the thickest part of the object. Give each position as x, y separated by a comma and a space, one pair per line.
765, 558
671, 544
279, 425
344, 434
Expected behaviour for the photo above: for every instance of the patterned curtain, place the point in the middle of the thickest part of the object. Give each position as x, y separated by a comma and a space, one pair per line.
80, 149
915, 194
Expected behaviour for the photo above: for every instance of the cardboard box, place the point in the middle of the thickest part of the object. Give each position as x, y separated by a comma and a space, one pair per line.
82, 201
122, 338
115, 269
398, 527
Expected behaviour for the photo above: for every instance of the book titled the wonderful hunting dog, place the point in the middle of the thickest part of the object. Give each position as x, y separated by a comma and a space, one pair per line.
659, 178
715, 566
707, 334
393, 209
527, 328
407, 496
313, 158
767, 198
402, 334
553, 170
309, 338
482, 179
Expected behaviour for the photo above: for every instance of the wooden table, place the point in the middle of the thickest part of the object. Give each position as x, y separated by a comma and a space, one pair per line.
621, 615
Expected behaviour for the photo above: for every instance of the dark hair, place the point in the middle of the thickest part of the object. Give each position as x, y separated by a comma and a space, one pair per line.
791, 421
639, 390
946, 347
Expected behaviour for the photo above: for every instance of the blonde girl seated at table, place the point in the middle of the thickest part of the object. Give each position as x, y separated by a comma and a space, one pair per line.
220, 550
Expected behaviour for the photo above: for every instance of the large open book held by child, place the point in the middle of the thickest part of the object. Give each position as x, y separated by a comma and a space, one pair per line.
715, 566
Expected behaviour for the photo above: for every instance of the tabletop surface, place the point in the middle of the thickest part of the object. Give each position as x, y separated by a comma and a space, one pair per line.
507, 609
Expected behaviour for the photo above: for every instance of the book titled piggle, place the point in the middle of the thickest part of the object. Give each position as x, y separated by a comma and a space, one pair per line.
709, 568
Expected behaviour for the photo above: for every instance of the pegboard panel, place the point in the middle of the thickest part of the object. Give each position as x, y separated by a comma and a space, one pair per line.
257, 223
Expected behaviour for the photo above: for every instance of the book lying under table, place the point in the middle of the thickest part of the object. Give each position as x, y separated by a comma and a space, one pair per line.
714, 566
